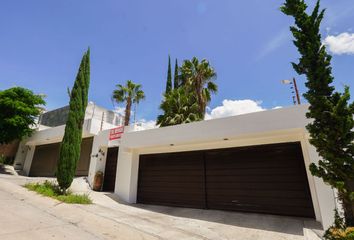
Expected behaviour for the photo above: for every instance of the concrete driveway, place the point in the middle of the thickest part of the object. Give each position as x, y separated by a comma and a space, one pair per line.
26, 215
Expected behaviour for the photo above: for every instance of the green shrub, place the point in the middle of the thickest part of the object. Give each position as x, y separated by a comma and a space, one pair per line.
50, 189
6, 160
2, 159
339, 230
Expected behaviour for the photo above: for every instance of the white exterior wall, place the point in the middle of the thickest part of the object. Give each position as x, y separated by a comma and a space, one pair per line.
273, 126
28, 159
98, 160
20, 156
101, 141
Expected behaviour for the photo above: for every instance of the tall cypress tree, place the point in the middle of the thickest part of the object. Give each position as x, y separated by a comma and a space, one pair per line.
331, 130
169, 77
176, 77
71, 145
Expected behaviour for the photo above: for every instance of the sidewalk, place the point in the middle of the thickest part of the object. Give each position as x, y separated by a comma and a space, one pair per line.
26, 215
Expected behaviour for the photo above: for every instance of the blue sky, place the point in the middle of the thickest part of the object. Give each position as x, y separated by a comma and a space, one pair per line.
247, 42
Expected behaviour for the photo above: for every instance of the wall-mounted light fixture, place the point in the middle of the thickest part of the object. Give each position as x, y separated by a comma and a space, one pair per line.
100, 151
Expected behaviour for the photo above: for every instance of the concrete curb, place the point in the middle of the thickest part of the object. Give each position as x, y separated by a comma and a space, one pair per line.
309, 234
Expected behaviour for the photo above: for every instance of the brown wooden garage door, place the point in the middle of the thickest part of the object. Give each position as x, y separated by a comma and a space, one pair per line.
174, 179
46, 157
264, 179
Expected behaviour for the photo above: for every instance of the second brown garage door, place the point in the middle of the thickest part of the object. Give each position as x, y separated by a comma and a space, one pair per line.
45, 159
265, 179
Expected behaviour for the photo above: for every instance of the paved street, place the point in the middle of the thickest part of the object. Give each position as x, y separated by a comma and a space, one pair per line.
26, 215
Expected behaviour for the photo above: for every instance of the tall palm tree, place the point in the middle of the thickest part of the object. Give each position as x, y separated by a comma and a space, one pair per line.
199, 76
179, 107
130, 93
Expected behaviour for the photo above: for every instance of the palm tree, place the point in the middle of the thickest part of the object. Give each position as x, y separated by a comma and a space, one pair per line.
179, 107
130, 93
199, 77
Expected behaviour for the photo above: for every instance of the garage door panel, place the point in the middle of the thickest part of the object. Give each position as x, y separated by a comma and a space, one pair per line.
247, 164
172, 179
46, 157
178, 184
173, 202
255, 178
174, 172
266, 201
85, 156
157, 167
260, 193
180, 178
45, 160
247, 172
254, 186
177, 195
228, 179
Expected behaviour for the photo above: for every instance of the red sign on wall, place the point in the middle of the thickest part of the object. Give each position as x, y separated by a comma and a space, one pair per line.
116, 133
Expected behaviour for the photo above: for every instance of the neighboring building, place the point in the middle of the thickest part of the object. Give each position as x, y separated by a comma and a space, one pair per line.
257, 162
39, 154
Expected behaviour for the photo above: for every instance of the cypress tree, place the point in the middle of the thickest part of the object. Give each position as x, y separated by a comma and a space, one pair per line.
71, 145
176, 77
331, 130
169, 77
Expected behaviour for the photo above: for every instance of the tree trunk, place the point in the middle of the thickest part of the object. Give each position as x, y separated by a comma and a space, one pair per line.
348, 213
348, 205
127, 112
201, 104
200, 98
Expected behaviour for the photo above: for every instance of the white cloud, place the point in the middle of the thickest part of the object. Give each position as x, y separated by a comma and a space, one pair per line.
340, 44
144, 124
235, 107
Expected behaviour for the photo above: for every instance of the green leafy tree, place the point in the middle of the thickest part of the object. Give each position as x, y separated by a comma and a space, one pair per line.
71, 144
331, 130
199, 77
130, 93
169, 77
179, 106
19, 109
176, 83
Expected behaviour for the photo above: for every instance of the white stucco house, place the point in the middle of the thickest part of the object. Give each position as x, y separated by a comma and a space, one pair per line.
255, 162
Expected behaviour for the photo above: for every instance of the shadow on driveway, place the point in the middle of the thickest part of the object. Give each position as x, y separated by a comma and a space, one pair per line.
275, 223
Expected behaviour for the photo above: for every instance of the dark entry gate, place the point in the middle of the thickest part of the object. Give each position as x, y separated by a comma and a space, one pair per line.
110, 170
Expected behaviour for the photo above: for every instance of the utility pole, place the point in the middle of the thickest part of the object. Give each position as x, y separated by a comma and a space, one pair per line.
296, 92
296, 98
